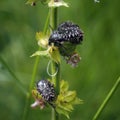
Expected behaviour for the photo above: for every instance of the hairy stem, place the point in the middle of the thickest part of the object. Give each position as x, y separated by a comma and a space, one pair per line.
55, 66
106, 100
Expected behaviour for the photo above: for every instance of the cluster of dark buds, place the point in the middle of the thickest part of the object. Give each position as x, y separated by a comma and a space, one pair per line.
66, 37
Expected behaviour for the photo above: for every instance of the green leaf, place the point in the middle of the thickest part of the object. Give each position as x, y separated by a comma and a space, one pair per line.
41, 53
77, 101
64, 86
54, 53
66, 106
69, 96
62, 111
66, 99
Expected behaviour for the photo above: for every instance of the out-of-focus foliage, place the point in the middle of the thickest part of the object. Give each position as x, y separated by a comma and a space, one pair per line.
92, 79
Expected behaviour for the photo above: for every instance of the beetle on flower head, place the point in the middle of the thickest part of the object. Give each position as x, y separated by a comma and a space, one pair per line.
66, 37
46, 89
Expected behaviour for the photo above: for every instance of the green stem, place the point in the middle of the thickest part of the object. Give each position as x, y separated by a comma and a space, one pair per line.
17, 81
35, 69
53, 17
27, 103
56, 81
55, 115
106, 100
55, 66
46, 24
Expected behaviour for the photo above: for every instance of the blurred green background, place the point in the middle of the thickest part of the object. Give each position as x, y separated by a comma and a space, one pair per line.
92, 79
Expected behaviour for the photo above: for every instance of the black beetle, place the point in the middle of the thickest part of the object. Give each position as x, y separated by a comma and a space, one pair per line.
46, 90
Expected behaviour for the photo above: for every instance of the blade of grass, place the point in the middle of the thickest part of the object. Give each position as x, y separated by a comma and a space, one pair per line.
16, 80
106, 100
